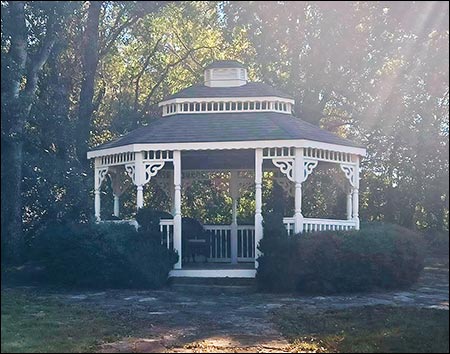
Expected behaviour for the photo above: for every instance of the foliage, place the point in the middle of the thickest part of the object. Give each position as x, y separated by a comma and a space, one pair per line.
148, 220
378, 256
103, 256
374, 72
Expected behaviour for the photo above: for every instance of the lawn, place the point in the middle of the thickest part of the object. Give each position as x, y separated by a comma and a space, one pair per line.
33, 324
35, 321
379, 329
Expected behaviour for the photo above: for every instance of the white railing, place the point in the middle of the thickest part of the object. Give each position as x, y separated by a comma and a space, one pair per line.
220, 243
131, 222
219, 236
219, 239
166, 228
246, 243
313, 224
289, 224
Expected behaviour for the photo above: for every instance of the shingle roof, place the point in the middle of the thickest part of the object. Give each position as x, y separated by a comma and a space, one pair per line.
225, 64
224, 127
251, 89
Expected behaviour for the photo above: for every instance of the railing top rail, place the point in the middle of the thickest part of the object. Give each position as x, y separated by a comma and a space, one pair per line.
246, 227
166, 221
327, 221
217, 227
288, 220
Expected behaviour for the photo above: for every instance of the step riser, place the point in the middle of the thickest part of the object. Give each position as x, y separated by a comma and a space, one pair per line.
212, 281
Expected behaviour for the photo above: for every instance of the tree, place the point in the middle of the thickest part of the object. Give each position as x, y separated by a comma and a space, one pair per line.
29, 48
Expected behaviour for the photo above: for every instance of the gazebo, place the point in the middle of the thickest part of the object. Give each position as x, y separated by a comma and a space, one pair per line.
235, 126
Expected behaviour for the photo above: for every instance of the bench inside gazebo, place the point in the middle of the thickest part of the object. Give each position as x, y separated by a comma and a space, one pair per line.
239, 130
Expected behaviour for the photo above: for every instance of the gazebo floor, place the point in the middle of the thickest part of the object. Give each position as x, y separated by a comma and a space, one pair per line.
217, 266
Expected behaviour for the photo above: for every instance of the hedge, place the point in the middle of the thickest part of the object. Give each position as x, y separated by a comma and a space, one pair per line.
102, 256
379, 256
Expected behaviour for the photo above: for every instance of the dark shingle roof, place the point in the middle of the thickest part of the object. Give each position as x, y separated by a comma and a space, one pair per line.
225, 64
223, 127
251, 89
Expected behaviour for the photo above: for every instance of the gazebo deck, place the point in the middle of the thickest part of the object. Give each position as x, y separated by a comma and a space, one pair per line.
218, 266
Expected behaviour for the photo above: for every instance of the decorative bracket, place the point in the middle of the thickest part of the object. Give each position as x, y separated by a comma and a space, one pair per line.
349, 171
100, 175
286, 166
131, 171
151, 169
308, 167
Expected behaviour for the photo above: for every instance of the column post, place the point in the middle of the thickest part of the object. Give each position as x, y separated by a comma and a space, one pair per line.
356, 196
139, 171
349, 204
299, 177
97, 185
116, 205
234, 193
258, 201
177, 243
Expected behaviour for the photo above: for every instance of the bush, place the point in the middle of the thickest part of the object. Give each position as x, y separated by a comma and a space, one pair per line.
378, 256
102, 255
148, 219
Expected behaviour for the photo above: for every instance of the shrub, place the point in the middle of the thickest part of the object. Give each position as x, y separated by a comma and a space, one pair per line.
148, 219
102, 255
378, 256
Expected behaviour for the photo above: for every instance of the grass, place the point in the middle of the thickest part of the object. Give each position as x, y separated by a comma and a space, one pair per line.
379, 329
33, 324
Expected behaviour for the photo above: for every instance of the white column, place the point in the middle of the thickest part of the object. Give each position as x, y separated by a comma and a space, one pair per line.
139, 172
177, 207
356, 195
172, 192
97, 184
116, 205
234, 196
97, 204
349, 205
299, 176
258, 201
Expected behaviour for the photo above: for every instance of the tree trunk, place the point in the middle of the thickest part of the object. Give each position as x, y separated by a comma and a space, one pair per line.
89, 61
17, 107
12, 126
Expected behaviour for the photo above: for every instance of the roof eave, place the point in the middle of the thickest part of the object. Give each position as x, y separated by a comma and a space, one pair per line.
225, 99
227, 145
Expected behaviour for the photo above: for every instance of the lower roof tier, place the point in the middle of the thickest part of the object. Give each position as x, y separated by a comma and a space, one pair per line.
227, 127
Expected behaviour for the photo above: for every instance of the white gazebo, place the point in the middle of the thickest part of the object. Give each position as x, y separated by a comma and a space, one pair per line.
241, 128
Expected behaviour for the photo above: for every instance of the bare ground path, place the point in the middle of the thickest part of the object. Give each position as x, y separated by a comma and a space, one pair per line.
213, 321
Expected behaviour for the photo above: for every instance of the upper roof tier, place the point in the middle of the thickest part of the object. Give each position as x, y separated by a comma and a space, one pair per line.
251, 89
226, 89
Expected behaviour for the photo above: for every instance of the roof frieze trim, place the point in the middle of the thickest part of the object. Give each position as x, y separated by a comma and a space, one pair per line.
226, 99
227, 145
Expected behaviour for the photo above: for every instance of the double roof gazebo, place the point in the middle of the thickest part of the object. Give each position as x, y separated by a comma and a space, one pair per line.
242, 128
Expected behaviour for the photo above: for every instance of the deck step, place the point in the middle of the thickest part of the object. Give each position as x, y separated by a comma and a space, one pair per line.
217, 286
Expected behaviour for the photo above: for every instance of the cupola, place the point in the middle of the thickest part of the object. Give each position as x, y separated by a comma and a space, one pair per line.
225, 73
